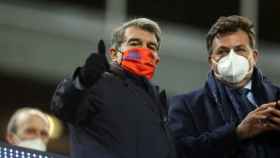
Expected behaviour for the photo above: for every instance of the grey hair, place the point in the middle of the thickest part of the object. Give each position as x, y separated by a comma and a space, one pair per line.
142, 23
23, 113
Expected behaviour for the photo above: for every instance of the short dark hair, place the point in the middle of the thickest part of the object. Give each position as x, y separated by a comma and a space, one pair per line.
231, 24
142, 23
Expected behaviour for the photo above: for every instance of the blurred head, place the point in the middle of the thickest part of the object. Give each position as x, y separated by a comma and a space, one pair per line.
231, 47
137, 33
28, 128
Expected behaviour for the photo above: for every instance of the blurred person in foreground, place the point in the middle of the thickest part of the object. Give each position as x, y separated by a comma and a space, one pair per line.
28, 128
236, 114
113, 110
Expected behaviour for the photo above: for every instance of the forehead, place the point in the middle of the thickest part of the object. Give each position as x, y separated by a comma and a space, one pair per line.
32, 121
136, 32
229, 40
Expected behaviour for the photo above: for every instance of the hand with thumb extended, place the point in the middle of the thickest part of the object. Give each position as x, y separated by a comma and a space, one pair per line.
96, 64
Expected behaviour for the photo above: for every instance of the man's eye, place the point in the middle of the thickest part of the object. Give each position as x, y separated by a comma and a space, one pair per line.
222, 52
153, 47
240, 50
134, 43
30, 131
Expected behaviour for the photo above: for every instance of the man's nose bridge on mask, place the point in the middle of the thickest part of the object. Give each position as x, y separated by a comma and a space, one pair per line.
230, 51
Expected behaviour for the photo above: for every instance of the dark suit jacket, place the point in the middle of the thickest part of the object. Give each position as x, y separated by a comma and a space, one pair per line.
115, 118
204, 122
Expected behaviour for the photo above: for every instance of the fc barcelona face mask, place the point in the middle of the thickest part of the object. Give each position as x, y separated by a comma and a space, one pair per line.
139, 61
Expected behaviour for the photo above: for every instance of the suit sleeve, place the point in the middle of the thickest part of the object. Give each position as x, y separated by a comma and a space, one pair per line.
69, 101
190, 142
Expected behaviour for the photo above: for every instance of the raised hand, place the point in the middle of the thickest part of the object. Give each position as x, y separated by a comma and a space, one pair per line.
264, 118
96, 64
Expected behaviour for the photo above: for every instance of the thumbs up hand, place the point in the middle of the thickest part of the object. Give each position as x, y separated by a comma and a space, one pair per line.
96, 64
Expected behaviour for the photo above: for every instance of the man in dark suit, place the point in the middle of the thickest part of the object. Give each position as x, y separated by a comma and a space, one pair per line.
113, 110
236, 113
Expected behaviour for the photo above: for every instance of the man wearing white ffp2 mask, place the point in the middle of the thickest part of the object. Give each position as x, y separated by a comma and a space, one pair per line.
35, 143
233, 68
28, 128
237, 110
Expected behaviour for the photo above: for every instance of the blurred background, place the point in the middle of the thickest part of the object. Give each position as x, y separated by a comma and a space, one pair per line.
42, 41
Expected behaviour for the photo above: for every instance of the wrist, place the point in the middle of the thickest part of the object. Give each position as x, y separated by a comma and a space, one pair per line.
240, 133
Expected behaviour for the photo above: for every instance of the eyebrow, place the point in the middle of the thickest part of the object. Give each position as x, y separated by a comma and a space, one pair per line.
238, 46
221, 48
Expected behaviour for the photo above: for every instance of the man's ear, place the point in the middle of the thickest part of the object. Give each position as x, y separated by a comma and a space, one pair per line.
256, 55
210, 62
115, 55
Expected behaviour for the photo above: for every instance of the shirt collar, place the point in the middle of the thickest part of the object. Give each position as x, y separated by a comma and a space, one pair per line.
248, 85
